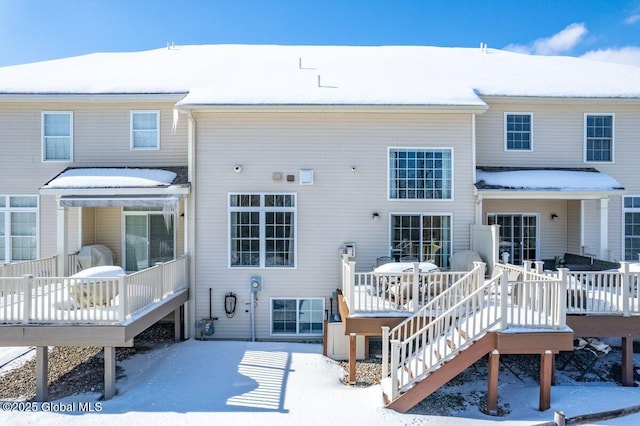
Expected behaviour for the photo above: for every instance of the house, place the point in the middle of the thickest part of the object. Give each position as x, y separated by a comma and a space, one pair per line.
263, 165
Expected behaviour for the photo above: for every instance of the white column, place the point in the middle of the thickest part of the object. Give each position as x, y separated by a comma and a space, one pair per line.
478, 211
62, 241
603, 207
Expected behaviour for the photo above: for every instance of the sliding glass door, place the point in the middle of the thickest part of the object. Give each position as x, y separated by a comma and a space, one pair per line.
149, 239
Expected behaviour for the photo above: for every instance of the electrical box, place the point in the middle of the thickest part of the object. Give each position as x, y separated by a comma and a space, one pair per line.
255, 283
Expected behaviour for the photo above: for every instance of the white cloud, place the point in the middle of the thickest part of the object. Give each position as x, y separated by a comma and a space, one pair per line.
632, 19
558, 43
626, 55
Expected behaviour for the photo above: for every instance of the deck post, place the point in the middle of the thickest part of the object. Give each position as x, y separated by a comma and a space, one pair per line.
352, 358
415, 287
385, 351
492, 383
539, 266
562, 300
504, 297
177, 324
395, 364
546, 368
627, 361
42, 373
625, 289
26, 292
351, 283
62, 246
109, 372
122, 289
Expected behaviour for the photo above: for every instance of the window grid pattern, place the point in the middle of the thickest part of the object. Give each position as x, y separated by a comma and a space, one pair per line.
631, 228
420, 173
262, 230
422, 237
297, 316
144, 129
518, 132
18, 228
599, 138
57, 136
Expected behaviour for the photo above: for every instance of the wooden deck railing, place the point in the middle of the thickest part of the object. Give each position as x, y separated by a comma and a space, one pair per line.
58, 300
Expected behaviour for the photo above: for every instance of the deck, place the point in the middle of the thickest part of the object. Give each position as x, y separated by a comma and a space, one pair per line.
39, 309
434, 322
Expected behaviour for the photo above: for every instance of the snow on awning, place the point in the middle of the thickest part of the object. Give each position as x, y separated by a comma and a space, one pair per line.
117, 182
529, 180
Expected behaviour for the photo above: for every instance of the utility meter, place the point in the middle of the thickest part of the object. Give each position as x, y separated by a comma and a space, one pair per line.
255, 284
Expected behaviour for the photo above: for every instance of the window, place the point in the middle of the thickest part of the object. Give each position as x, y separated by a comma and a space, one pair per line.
420, 173
598, 137
422, 237
262, 230
297, 316
57, 136
149, 238
517, 131
631, 228
18, 228
145, 127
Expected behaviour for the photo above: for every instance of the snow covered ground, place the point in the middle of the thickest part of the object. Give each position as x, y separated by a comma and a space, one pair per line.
274, 383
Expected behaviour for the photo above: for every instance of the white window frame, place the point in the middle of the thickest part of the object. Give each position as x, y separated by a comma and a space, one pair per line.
506, 147
262, 210
132, 131
421, 243
44, 141
626, 210
7, 210
297, 333
421, 148
613, 137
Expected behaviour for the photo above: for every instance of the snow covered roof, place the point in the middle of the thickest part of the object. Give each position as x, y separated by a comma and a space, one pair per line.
325, 75
547, 179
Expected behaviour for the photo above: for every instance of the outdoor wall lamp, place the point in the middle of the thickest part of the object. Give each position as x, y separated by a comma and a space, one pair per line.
375, 216
554, 217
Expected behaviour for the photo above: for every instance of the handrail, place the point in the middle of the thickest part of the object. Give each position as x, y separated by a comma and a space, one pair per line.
470, 309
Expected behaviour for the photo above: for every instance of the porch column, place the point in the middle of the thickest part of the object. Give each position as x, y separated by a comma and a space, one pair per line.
603, 208
62, 240
42, 373
478, 209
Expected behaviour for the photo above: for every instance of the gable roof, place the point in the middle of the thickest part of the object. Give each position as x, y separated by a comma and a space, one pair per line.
325, 75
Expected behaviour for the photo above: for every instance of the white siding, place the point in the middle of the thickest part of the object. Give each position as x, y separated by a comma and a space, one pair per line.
100, 138
336, 209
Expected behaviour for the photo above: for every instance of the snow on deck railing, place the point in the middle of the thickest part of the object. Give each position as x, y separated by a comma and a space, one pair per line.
54, 300
372, 292
45, 267
603, 292
463, 313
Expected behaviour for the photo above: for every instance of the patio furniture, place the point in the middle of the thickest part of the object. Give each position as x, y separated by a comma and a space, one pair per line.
88, 290
395, 278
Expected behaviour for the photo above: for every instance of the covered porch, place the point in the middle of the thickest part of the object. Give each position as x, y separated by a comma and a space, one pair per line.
546, 212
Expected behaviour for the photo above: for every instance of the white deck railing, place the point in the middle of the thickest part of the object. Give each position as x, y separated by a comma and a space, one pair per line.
371, 293
603, 292
59, 300
45, 267
466, 311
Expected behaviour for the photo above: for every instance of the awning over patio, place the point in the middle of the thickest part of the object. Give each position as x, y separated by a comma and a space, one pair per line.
118, 186
565, 183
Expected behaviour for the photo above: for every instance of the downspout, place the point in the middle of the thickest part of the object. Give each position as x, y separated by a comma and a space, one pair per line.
189, 223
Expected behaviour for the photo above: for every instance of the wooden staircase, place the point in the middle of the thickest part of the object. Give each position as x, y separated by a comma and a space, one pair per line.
460, 326
441, 376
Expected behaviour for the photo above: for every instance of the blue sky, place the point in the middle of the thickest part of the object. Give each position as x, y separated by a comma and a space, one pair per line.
35, 30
